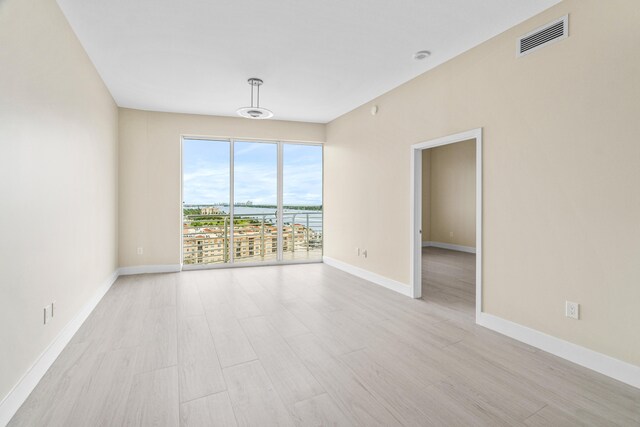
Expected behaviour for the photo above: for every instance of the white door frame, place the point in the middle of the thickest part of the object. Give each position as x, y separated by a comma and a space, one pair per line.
416, 209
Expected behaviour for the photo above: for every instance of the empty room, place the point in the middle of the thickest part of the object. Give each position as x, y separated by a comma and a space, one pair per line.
324, 213
448, 225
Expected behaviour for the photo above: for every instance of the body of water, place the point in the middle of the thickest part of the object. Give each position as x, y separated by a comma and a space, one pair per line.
315, 220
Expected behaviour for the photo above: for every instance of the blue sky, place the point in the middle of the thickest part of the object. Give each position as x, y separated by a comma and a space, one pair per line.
206, 167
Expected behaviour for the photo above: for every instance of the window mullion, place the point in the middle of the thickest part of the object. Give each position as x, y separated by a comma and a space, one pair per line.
280, 223
231, 202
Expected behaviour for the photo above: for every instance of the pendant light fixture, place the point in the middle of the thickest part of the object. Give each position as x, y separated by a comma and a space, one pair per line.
255, 112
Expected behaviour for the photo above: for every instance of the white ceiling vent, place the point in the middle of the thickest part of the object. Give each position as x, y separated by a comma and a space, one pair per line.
543, 36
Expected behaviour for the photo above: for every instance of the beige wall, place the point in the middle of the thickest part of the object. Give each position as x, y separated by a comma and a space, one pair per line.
449, 196
150, 174
58, 180
561, 173
426, 195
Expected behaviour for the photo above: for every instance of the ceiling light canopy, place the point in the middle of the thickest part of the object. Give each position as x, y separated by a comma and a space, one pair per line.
255, 112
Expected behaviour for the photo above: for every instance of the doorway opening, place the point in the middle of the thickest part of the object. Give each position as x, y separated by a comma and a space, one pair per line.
446, 225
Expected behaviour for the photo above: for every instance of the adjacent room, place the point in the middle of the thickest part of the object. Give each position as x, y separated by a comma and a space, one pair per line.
348, 213
448, 225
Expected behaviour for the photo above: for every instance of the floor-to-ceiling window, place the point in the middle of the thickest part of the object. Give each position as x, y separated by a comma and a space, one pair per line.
251, 202
302, 201
255, 201
206, 192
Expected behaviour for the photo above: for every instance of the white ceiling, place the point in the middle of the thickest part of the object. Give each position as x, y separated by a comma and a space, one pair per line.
319, 59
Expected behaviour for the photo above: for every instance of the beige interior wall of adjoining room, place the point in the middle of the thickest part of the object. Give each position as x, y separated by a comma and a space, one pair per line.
451, 197
426, 195
560, 173
58, 180
150, 174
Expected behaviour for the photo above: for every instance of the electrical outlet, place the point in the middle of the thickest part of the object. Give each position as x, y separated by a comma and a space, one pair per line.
364, 253
451, 234
357, 251
140, 250
572, 310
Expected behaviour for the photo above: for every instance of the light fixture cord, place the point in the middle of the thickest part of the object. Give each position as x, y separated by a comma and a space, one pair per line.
251, 95
258, 103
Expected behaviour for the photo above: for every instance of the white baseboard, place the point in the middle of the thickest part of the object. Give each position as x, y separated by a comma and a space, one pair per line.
144, 269
450, 246
606, 365
368, 275
17, 396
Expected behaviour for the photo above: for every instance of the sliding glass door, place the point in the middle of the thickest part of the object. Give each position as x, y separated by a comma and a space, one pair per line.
206, 167
255, 201
251, 202
302, 201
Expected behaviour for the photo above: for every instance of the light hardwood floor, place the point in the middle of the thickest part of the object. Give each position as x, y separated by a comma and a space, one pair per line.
449, 279
310, 345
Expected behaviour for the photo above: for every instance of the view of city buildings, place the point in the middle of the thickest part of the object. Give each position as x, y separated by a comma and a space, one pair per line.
207, 236
249, 181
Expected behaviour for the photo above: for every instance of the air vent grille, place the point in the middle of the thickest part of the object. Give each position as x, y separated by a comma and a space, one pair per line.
540, 37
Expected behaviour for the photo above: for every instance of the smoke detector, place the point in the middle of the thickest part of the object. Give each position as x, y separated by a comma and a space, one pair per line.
421, 54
